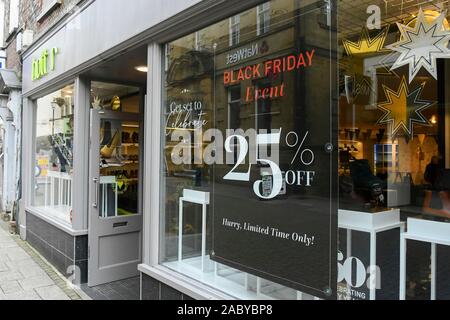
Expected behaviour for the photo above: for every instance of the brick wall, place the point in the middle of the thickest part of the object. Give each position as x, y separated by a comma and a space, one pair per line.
29, 11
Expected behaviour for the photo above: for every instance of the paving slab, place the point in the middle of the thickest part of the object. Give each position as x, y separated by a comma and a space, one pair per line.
51, 293
25, 275
10, 287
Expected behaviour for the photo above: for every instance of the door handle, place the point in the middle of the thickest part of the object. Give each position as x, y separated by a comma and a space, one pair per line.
95, 203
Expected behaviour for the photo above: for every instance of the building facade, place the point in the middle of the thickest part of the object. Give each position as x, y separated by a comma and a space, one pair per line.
276, 149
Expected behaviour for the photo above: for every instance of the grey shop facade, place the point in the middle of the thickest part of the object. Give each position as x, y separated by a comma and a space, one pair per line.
276, 149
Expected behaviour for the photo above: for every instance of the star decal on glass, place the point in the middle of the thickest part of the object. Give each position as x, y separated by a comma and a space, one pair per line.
421, 46
403, 109
365, 43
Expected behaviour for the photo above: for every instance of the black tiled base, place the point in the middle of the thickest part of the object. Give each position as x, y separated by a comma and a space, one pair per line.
61, 249
127, 289
152, 289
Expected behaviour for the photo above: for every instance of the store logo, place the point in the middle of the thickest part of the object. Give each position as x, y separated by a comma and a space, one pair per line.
45, 63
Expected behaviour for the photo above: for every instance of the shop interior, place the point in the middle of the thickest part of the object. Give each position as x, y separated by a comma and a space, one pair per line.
393, 142
117, 85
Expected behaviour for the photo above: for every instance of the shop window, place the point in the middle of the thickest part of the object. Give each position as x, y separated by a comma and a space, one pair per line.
54, 134
393, 157
263, 18
235, 30
216, 89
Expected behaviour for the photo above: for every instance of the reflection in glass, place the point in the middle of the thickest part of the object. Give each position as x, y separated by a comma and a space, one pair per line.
54, 154
196, 88
398, 119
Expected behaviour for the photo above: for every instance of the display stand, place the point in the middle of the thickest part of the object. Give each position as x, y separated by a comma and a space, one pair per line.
197, 197
432, 232
58, 195
61, 187
372, 223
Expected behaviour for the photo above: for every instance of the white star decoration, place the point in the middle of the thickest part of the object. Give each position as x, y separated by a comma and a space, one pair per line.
422, 45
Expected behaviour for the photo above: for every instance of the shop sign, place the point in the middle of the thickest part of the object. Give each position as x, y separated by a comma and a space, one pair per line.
273, 202
44, 64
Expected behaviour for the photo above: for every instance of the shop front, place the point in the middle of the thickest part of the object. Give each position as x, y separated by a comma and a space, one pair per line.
299, 152
85, 92
261, 150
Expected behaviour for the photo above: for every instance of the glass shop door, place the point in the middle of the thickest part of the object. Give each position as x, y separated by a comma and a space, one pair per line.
115, 221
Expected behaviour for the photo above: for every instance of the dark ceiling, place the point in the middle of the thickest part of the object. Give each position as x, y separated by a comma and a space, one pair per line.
121, 69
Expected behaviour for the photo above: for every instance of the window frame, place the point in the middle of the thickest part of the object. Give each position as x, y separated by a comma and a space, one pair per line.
80, 201
33, 162
47, 7
235, 30
231, 102
263, 17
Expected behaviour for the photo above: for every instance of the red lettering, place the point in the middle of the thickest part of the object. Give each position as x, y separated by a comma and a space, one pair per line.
291, 63
277, 66
310, 56
241, 76
248, 73
301, 61
226, 77
250, 94
256, 73
253, 94
268, 67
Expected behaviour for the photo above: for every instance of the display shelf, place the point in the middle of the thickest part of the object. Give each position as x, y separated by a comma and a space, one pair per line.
372, 223
369, 221
432, 232
233, 282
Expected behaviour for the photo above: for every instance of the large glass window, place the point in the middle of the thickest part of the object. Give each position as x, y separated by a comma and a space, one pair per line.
256, 86
394, 161
392, 152
53, 187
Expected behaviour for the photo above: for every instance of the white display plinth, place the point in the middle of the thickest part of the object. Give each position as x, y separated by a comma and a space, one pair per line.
432, 232
200, 198
370, 222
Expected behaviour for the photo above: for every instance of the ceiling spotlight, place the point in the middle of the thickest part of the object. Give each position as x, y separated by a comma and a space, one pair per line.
142, 69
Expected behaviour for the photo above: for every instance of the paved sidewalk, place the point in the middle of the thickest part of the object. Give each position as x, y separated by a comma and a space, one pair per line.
24, 275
